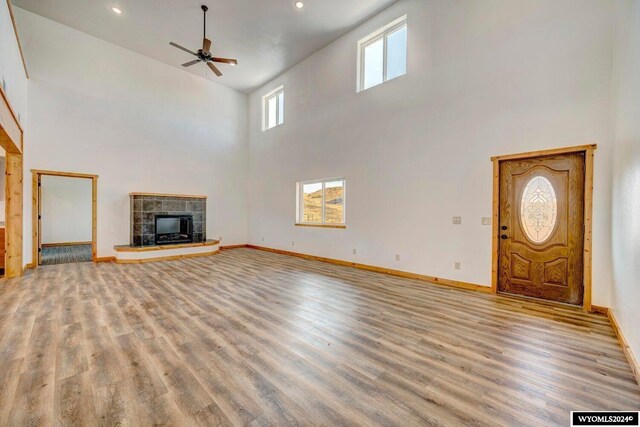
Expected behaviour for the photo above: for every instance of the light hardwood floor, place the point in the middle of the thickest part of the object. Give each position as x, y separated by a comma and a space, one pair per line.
255, 338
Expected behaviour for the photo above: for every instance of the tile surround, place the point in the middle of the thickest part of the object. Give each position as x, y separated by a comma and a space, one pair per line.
145, 208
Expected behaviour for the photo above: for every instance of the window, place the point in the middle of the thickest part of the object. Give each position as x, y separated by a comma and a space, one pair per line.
321, 202
382, 56
273, 109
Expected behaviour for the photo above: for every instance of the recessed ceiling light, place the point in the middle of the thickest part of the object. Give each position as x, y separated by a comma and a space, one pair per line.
116, 10
299, 4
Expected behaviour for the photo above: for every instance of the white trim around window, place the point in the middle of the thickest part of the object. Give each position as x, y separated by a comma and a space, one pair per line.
322, 218
380, 35
273, 109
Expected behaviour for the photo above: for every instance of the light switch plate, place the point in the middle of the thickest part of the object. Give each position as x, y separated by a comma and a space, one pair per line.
486, 220
457, 220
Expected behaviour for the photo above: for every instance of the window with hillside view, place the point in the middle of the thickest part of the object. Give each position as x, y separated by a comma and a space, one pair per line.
321, 202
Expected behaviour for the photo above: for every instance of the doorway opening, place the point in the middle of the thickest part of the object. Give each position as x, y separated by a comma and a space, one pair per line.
542, 225
64, 217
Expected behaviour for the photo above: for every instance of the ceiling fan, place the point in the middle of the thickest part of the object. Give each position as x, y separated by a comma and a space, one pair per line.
204, 54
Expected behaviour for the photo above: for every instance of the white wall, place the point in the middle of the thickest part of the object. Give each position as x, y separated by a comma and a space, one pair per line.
484, 78
11, 68
625, 293
66, 209
137, 123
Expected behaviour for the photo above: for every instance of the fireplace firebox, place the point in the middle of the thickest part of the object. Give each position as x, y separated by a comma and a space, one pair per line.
174, 229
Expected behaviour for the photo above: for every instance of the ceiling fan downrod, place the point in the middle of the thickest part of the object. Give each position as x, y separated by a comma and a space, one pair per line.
204, 9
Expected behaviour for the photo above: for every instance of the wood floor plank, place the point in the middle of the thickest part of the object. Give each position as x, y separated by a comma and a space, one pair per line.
255, 338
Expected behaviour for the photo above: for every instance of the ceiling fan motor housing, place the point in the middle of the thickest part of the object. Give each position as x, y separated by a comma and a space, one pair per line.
204, 56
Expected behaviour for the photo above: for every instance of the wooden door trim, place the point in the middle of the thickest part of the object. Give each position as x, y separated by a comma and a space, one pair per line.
588, 212
11, 139
542, 153
36, 174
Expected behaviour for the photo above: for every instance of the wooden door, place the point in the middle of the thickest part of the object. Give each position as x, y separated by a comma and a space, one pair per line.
542, 227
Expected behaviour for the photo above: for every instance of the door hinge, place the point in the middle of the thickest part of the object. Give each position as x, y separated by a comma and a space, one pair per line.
39, 249
39, 216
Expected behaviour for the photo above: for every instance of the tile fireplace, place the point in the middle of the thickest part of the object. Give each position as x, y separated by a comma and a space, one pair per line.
161, 219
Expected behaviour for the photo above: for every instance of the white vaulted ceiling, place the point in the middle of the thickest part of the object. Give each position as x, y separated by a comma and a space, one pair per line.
266, 36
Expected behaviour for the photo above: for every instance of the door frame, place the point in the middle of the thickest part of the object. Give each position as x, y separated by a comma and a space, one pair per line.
12, 140
36, 175
588, 150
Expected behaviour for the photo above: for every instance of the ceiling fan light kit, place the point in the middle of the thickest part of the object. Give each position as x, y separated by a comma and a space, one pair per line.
204, 54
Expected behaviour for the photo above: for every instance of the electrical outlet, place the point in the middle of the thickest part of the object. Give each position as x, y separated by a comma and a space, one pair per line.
262, 238
293, 243
397, 257
457, 220
486, 220
354, 251
457, 265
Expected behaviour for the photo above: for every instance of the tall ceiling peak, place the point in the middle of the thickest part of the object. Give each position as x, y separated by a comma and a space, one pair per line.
267, 37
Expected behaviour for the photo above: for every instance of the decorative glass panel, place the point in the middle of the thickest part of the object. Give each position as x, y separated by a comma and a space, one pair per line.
538, 209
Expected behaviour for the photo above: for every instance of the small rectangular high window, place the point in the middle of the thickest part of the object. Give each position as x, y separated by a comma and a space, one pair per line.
273, 109
382, 56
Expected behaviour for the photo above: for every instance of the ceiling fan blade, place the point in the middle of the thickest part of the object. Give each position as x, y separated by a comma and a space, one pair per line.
182, 48
206, 44
225, 60
190, 63
214, 69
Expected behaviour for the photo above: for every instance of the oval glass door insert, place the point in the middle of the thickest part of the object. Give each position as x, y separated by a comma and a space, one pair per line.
538, 209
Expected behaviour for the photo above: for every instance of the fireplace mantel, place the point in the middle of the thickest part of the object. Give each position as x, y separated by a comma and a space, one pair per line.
186, 196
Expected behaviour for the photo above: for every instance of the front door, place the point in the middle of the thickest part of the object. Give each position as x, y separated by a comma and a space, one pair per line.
542, 227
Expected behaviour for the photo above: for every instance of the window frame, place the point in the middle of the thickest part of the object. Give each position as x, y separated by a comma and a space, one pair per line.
380, 34
300, 203
265, 108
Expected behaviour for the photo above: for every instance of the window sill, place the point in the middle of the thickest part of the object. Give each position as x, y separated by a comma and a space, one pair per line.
272, 128
321, 225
